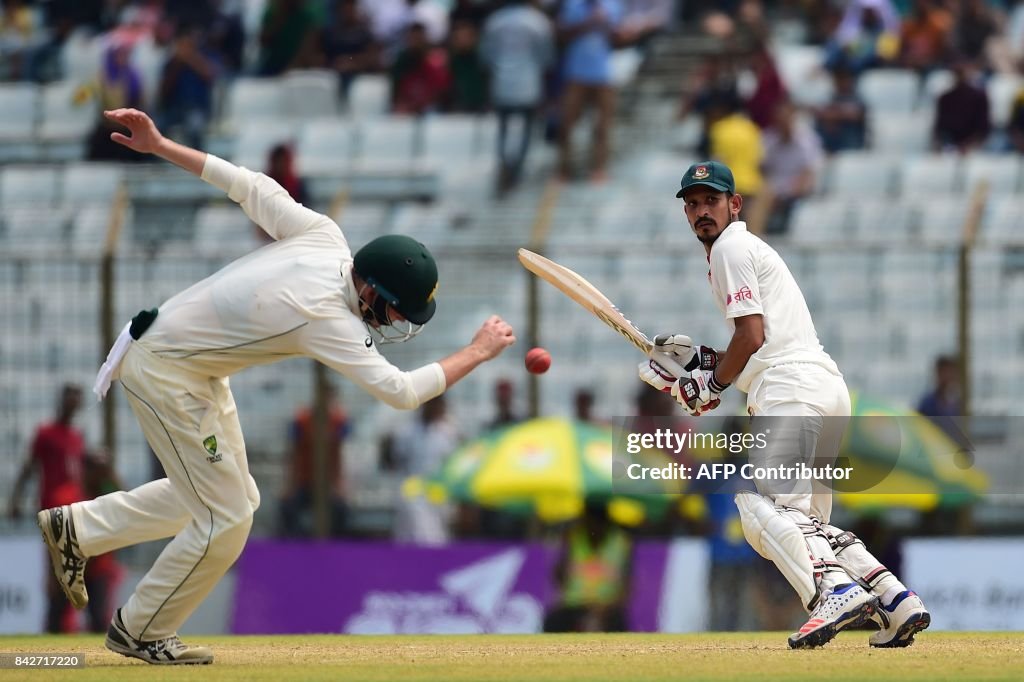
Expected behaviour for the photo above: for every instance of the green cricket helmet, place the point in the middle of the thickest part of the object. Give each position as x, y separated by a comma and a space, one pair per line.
404, 275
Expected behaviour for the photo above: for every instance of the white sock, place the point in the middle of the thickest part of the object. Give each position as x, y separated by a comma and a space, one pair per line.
891, 594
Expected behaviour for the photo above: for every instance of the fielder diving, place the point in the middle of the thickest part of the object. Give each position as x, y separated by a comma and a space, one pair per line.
304, 295
775, 358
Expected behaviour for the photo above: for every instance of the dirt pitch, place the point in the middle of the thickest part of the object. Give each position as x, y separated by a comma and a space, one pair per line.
549, 658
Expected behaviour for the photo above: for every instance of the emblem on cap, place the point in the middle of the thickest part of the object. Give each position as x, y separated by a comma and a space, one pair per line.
700, 172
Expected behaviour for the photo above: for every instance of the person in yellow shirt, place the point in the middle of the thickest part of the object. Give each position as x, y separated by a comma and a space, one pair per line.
735, 140
592, 575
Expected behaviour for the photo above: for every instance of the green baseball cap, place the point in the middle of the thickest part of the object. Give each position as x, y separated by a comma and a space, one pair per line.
401, 270
711, 174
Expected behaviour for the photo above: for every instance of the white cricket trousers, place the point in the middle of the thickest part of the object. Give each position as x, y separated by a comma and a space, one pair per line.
808, 409
206, 502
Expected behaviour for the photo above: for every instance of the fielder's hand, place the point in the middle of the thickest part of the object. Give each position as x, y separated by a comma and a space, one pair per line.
145, 138
494, 336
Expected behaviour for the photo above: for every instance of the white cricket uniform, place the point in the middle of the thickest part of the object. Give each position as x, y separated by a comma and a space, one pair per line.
795, 390
790, 374
291, 298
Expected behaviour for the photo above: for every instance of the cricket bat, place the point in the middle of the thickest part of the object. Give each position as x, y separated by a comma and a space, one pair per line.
587, 295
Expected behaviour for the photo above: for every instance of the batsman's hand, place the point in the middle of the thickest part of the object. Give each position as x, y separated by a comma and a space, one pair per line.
667, 360
494, 336
144, 138
698, 391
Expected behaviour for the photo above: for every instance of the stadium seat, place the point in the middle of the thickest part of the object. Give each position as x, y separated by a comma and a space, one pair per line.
89, 227
18, 102
84, 182
386, 141
369, 95
220, 228
63, 117
34, 228
883, 222
325, 146
1002, 90
900, 133
863, 174
821, 221
931, 173
936, 83
28, 185
941, 219
1000, 171
890, 91
801, 69
310, 93
254, 99
451, 139
256, 138
1005, 221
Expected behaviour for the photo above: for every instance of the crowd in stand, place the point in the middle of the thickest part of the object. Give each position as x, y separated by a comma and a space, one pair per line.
777, 148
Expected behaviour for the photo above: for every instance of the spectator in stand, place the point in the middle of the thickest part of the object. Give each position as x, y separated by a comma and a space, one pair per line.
297, 502
735, 140
518, 47
583, 406
57, 451
473, 11
593, 575
769, 90
391, 20
347, 44
281, 168
867, 37
118, 85
714, 82
419, 77
974, 30
20, 34
962, 120
793, 159
843, 122
468, 92
504, 405
225, 36
420, 449
945, 400
287, 36
186, 86
587, 28
925, 36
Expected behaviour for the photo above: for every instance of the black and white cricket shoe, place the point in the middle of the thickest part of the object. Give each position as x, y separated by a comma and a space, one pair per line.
898, 622
168, 651
845, 606
58, 529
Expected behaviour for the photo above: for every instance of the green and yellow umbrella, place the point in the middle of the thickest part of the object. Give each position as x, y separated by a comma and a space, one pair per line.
902, 459
547, 466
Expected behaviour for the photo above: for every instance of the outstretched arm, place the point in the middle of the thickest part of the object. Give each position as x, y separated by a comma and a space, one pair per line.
262, 199
145, 138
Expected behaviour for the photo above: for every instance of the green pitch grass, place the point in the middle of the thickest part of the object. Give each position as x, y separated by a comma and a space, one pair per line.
549, 658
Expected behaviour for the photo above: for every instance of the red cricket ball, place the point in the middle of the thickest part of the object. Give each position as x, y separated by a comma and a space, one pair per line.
538, 361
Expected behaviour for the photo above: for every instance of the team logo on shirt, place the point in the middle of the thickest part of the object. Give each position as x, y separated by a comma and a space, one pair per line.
744, 294
700, 172
210, 443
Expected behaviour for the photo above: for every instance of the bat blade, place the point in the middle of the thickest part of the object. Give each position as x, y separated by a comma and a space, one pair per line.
586, 295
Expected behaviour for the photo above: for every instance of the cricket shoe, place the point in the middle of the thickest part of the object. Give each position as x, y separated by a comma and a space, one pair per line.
58, 529
845, 605
166, 651
900, 621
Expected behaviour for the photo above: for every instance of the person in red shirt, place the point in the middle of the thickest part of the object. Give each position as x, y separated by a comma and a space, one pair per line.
419, 77
57, 454
296, 507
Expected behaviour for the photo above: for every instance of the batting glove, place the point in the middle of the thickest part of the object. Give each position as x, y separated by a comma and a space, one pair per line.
698, 392
667, 361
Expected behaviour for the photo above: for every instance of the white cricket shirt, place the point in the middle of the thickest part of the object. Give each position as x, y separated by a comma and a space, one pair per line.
291, 298
748, 277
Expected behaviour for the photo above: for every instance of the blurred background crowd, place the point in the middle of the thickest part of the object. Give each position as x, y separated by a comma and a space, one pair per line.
876, 143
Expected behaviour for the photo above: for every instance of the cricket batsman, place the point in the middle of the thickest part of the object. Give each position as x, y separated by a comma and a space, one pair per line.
793, 385
304, 295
